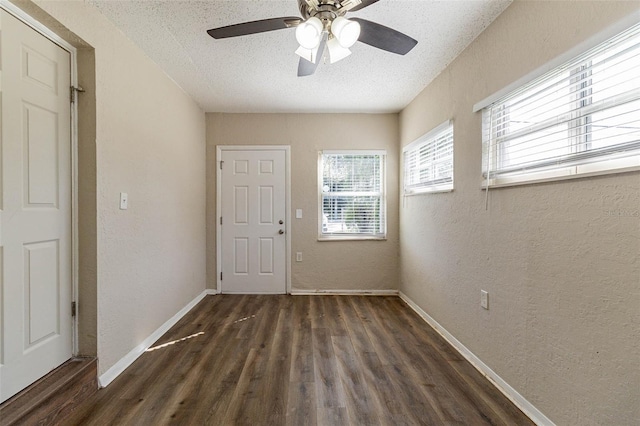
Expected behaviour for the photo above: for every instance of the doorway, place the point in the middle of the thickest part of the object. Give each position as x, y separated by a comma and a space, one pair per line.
253, 226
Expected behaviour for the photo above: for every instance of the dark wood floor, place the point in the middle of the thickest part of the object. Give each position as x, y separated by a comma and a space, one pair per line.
300, 360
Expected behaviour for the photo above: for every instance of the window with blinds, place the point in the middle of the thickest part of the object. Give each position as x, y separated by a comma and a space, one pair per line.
428, 161
580, 118
352, 196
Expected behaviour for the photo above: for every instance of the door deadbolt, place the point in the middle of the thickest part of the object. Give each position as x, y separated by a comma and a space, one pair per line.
281, 221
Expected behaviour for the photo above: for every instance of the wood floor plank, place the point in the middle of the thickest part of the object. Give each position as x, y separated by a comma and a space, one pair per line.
303, 360
245, 404
386, 347
148, 370
413, 365
188, 379
480, 390
408, 381
301, 370
332, 316
301, 404
242, 396
319, 318
362, 406
275, 392
332, 416
354, 326
454, 398
390, 409
266, 395
329, 392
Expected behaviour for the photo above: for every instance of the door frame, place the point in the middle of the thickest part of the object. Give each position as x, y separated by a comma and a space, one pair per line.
43, 30
287, 184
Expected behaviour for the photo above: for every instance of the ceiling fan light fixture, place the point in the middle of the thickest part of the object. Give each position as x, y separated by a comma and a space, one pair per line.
309, 33
310, 55
336, 51
322, 23
346, 31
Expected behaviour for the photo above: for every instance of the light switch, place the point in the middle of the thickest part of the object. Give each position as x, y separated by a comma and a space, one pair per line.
298, 213
484, 299
124, 201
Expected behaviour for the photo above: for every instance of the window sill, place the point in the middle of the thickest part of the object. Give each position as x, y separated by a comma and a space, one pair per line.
428, 191
351, 238
597, 169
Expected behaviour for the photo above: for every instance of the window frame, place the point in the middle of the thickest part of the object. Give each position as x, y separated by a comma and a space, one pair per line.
603, 164
382, 236
429, 138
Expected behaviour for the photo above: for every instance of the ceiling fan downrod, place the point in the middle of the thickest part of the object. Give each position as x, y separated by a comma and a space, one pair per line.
338, 7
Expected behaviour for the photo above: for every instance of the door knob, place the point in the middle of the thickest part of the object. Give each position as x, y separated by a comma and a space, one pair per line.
281, 232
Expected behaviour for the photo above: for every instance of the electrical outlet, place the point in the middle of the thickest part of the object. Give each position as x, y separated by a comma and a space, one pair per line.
484, 299
124, 201
299, 256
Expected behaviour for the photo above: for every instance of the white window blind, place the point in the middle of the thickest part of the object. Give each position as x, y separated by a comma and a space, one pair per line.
428, 161
582, 117
352, 196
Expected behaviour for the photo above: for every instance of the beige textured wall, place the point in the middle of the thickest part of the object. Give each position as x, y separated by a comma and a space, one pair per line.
563, 276
341, 265
150, 143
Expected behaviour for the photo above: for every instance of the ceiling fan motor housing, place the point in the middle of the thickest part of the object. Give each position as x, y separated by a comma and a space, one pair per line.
325, 10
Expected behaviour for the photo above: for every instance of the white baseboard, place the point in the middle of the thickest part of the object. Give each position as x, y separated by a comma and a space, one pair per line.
525, 406
304, 292
124, 362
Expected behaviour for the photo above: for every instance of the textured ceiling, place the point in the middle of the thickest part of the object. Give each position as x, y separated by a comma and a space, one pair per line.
257, 73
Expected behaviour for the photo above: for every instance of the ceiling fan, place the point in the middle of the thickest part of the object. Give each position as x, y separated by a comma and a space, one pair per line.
323, 25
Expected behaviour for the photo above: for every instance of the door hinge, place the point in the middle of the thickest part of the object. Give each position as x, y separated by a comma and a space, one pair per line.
220, 276
221, 164
73, 309
74, 93
220, 220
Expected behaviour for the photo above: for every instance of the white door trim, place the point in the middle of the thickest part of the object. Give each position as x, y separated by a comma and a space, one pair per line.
287, 150
28, 20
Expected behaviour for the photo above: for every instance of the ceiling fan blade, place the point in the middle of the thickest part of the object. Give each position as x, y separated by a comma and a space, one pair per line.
306, 68
253, 27
364, 4
384, 38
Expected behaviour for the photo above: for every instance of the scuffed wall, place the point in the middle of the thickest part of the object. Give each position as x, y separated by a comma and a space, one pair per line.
562, 271
326, 265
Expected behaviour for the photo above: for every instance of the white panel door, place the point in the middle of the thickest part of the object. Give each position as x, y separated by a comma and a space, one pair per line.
35, 206
253, 207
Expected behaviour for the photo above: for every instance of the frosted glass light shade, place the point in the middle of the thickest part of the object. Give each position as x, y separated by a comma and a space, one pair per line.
336, 51
310, 55
309, 33
346, 31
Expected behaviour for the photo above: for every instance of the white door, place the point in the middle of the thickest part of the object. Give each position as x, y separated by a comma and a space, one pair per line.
253, 207
35, 206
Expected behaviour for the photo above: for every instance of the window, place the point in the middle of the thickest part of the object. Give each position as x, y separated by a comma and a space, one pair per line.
428, 161
352, 196
580, 118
